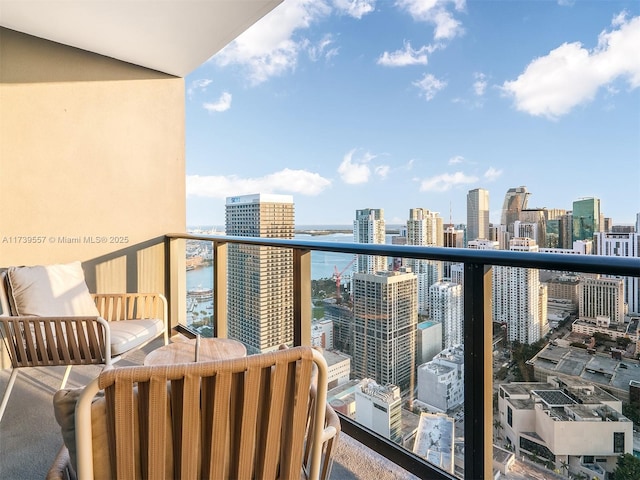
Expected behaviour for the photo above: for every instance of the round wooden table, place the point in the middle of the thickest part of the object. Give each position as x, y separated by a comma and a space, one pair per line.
185, 352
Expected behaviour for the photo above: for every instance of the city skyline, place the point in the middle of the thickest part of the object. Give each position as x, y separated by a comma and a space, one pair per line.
313, 101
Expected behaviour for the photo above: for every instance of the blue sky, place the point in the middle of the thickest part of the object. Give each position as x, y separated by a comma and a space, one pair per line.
351, 104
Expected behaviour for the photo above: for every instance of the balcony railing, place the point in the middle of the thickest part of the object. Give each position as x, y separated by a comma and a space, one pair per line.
478, 367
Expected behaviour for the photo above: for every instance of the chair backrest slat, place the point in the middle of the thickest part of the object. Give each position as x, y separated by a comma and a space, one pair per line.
239, 418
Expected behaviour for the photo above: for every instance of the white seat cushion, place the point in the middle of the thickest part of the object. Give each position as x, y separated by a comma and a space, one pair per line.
50, 291
128, 334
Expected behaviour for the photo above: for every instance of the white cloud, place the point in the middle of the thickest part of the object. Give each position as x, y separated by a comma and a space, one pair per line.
446, 181
429, 86
269, 48
382, 171
571, 75
355, 8
492, 174
221, 105
408, 56
355, 170
285, 181
198, 85
321, 49
480, 85
455, 160
437, 13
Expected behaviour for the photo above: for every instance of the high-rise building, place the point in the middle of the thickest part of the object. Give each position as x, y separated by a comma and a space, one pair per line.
586, 218
385, 310
342, 318
601, 297
565, 235
516, 292
260, 279
424, 228
622, 245
369, 227
498, 233
537, 217
446, 307
477, 214
428, 341
554, 227
453, 238
515, 200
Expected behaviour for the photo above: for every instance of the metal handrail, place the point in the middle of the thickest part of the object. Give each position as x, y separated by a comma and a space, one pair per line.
623, 266
477, 326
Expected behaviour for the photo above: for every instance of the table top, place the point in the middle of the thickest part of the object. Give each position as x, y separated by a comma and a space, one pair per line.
185, 351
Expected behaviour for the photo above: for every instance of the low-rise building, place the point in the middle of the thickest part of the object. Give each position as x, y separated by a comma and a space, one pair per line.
576, 364
322, 333
441, 381
379, 408
573, 425
339, 367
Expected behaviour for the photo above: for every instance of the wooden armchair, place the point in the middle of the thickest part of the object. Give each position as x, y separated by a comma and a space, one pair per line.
259, 416
49, 318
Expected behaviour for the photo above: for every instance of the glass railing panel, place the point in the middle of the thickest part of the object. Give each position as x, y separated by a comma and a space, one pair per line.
348, 322
387, 329
563, 390
199, 287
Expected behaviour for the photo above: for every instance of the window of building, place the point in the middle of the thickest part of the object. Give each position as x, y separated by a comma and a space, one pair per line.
618, 442
510, 416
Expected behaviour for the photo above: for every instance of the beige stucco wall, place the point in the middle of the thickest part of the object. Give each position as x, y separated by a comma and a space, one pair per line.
92, 162
91, 153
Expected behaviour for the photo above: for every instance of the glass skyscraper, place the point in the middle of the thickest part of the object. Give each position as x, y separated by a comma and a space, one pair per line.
586, 218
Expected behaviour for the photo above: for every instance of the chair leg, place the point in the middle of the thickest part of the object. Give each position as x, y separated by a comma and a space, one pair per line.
7, 392
65, 377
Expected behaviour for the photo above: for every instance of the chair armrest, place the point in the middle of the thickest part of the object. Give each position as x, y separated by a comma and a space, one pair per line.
50, 341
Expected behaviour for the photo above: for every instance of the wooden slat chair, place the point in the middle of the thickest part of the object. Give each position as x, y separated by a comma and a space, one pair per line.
260, 416
45, 322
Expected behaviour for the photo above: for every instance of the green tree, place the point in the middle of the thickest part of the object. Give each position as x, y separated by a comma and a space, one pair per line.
632, 412
623, 341
628, 468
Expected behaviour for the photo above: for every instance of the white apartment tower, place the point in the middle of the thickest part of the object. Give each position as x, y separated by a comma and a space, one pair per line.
477, 214
622, 245
260, 279
385, 314
516, 301
425, 228
369, 227
446, 307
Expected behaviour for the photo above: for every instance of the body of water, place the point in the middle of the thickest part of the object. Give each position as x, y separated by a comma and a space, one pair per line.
322, 263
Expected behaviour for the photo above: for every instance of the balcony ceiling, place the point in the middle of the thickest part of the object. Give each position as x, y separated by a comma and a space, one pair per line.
170, 36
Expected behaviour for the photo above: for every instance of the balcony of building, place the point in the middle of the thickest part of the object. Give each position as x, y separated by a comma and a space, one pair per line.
30, 436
